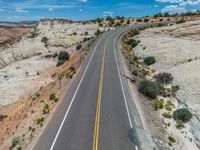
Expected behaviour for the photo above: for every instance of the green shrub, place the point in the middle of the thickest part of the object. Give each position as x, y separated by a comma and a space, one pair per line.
133, 42
39, 120
74, 33
44, 40
78, 47
166, 115
35, 95
171, 139
86, 33
149, 60
53, 97
149, 88
179, 124
157, 104
46, 109
164, 78
70, 72
180, 21
182, 114
15, 142
63, 55
168, 107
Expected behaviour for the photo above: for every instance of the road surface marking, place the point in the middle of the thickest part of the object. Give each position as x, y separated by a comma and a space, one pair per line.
120, 78
98, 109
70, 105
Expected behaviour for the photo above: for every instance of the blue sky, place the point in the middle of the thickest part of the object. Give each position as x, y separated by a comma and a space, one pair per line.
19, 10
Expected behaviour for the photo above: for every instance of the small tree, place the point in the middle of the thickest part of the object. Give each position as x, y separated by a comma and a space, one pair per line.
164, 78
149, 88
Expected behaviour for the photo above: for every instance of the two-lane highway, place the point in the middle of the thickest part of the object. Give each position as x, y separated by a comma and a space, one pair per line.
95, 113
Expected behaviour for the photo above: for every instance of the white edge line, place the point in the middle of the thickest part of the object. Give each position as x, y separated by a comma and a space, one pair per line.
72, 100
131, 125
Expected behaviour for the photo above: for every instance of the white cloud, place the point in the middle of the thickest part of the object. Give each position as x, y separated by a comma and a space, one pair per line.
20, 10
80, 9
108, 13
180, 5
51, 9
172, 9
1, 9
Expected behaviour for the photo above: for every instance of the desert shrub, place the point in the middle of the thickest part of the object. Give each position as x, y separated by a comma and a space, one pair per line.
74, 33
149, 88
128, 21
15, 142
157, 104
98, 32
39, 120
53, 97
175, 88
133, 42
179, 124
36, 95
182, 114
171, 139
139, 20
146, 19
168, 107
19, 148
2, 117
46, 109
166, 115
164, 78
86, 33
63, 55
44, 40
135, 32
78, 47
161, 20
149, 60
180, 21
70, 72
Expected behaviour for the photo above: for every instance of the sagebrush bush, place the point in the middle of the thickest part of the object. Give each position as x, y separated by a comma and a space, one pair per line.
164, 78
149, 88
78, 47
63, 55
149, 60
182, 114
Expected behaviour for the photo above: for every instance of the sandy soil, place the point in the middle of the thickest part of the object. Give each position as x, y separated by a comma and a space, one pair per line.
177, 50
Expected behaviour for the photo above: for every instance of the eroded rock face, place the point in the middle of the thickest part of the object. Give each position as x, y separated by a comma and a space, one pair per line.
177, 50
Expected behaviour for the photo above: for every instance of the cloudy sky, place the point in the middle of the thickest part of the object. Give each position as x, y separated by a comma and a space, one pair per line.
19, 10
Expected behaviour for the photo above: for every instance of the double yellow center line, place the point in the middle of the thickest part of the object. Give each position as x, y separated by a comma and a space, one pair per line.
98, 109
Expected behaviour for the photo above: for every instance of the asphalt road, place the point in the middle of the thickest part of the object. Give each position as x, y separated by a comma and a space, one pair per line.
96, 113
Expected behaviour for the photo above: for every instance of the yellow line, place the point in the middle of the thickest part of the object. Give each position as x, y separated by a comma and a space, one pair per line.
98, 109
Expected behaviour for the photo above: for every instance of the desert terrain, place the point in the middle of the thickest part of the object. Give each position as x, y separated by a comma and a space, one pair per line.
177, 51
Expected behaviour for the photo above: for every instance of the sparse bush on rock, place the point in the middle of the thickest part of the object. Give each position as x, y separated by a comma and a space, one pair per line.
182, 114
149, 60
149, 88
164, 78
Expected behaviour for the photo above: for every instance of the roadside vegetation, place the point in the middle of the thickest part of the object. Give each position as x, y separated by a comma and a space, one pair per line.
157, 87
